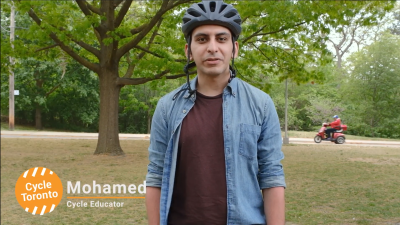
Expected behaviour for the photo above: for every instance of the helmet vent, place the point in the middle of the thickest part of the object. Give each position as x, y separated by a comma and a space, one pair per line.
212, 6
230, 14
202, 7
194, 13
222, 8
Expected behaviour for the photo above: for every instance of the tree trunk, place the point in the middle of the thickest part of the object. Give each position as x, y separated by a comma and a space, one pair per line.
108, 141
38, 118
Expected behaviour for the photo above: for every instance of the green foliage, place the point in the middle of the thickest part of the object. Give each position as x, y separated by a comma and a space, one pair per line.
372, 90
137, 104
287, 38
67, 101
75, 105
280, 40
311, 104
395, 27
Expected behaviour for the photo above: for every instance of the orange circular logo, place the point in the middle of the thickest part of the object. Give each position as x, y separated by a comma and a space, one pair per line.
38, 190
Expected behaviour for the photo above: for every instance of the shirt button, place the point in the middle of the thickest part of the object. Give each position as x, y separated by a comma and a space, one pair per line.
184, 111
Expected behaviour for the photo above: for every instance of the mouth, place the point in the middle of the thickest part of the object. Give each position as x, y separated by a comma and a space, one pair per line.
212, 60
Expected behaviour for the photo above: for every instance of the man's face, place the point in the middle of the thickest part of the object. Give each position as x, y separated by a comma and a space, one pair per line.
211, 49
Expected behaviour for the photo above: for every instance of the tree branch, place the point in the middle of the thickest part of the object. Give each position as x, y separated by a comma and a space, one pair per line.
254, 34
122, 12
136, 81
67, 49
131, 66
284, 28
52, 90
146, 29
50, 46
138, 29
155, 54
351, 41
86, 46
117, 2
93, 9
262, 53
180, 2
83, 5
272, 32
80, 59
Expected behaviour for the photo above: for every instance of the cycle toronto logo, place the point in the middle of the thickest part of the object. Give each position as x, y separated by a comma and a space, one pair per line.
38, 190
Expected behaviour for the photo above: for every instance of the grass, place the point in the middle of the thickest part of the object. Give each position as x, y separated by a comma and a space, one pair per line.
342, 185
325, 184
18, 127
4, 126
72, 160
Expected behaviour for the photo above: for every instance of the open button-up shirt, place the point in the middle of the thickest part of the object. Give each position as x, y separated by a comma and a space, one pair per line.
252, 145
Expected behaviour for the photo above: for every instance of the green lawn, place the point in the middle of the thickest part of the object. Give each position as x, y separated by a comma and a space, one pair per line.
326, 184
4, 126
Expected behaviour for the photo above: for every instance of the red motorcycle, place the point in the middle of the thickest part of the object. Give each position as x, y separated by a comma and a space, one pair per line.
337, 136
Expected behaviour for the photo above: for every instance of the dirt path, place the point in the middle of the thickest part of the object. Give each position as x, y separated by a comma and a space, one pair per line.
74, 135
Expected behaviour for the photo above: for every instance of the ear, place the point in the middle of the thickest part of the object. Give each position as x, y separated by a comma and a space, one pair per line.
236, 50
186, 51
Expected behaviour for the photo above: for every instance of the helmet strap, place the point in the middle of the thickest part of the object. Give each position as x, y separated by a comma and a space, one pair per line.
188, 65
233, 71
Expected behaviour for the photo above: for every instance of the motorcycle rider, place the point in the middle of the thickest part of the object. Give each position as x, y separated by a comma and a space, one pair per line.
335, 125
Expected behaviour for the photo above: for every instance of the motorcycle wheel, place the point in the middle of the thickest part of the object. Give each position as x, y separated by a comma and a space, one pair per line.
317, 139
340, 140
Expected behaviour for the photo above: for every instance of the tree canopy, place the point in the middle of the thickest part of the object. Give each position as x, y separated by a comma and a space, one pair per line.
128, 42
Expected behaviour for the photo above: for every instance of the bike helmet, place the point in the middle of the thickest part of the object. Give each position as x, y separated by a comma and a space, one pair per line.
335, 116
209, 13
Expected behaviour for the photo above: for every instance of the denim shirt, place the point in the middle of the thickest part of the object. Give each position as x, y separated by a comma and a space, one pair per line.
252, 145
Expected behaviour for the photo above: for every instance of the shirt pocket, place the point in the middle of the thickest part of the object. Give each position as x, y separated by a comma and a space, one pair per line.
249, 135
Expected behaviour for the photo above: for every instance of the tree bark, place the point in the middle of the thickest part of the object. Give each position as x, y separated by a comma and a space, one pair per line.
108, 141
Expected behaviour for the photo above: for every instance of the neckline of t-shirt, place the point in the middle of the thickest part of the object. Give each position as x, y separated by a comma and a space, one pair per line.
209, 97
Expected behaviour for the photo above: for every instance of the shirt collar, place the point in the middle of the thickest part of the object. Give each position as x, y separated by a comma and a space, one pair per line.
231, 88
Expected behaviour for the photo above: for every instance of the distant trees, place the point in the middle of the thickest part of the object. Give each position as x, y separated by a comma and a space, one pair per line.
372, 91
127, 42
54, 96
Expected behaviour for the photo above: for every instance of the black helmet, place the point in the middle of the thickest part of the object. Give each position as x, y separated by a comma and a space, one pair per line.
211, 13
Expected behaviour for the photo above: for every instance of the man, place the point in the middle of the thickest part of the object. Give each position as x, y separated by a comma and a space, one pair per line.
216, 141
335, 125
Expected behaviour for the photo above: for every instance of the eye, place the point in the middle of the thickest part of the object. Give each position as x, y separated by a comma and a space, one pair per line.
222, 39
201, 39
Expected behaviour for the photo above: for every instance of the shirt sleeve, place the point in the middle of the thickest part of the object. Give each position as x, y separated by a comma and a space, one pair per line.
270, 153
158, 146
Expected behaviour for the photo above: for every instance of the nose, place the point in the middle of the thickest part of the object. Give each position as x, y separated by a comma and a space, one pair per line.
212, 46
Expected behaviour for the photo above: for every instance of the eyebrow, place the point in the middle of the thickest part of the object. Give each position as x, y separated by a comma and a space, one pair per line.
218, 34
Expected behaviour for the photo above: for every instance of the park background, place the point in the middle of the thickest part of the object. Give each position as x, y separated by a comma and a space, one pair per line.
101, 66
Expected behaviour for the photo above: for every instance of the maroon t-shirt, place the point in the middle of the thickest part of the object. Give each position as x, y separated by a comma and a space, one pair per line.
199, 195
